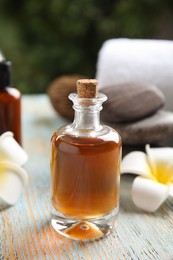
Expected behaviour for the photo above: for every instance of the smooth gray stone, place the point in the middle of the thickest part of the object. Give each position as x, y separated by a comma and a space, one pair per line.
154, 129
131, 101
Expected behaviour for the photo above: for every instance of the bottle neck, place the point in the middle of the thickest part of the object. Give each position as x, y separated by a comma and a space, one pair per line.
87, 112
5, 75
87, 120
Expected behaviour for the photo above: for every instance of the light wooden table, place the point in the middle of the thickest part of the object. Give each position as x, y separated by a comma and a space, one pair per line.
25, 230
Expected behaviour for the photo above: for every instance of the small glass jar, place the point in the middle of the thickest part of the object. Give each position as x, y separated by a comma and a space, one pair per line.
85, 173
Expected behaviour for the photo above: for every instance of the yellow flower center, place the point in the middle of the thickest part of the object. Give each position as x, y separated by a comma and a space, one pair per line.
163, 173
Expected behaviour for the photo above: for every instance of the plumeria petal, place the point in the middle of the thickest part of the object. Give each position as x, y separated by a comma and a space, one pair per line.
171, 190
13, 179
10, 150
148, 194
12, 176
136, 163
161, 163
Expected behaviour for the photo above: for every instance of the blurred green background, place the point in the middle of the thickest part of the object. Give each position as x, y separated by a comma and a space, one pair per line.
46, 39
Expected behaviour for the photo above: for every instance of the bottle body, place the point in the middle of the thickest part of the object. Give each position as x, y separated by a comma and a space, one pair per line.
85, 170
85, 174
10, 112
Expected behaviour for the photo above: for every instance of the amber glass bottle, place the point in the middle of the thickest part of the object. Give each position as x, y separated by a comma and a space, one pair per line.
85, 169
10, 111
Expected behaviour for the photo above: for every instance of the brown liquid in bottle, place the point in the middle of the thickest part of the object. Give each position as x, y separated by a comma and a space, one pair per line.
85, 181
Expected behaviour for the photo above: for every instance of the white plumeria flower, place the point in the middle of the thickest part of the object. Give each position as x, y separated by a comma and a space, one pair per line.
155, 183
12, 176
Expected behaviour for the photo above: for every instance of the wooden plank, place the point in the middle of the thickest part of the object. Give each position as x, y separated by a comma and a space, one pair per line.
25, 230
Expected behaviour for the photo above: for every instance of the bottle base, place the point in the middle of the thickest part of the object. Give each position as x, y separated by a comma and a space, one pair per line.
87, 229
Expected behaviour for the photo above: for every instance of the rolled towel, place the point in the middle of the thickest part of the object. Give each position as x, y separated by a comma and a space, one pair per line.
135, 60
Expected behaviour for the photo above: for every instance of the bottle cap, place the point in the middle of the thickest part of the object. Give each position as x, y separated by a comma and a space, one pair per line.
87, 88
5, 74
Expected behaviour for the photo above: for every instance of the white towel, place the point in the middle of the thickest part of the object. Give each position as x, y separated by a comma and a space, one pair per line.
135, 60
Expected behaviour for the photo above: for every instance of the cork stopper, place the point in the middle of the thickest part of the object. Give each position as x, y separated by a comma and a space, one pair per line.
87, 88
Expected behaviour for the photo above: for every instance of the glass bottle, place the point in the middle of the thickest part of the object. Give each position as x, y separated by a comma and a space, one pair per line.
85, 169
10, 99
